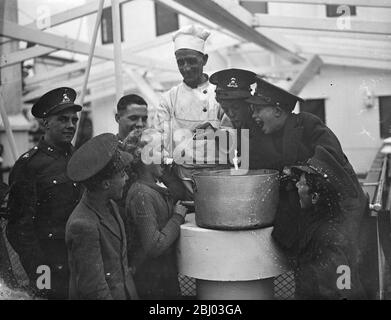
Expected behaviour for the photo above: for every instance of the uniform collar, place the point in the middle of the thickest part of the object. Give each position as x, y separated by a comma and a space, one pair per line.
55, 151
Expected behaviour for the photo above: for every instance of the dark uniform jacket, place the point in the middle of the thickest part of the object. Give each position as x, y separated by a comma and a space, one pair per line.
294, 144
155, 227
97, 253
41, 200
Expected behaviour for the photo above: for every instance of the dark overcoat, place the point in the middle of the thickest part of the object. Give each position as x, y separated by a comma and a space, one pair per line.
294, 144
97, 253
41, 200
327, 260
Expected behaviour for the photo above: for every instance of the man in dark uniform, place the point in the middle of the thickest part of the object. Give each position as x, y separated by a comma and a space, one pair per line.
293, 141
42, 197
233, 87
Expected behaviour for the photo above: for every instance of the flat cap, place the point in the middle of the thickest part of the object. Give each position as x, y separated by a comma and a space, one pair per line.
94, 155
54, 102
233, 83
329, 166
269, 94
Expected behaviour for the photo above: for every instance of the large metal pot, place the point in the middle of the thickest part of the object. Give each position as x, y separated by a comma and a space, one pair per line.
236, 199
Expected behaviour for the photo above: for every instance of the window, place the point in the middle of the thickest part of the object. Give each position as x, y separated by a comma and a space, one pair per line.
333, 11
314, 106
107, 25
385, 116
255, 7
166, 19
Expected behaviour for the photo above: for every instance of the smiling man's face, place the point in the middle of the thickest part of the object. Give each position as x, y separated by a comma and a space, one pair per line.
269, 118
135, 116
191, 66
61, 127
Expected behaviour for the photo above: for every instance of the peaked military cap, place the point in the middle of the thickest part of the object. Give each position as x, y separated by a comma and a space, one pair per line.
269, 94
55, 101
324, 164
233, 83
94, 155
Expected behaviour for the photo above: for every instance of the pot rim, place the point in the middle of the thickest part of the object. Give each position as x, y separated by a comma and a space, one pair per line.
236, 173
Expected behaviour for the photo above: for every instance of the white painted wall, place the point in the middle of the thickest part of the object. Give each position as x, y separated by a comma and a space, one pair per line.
356, 126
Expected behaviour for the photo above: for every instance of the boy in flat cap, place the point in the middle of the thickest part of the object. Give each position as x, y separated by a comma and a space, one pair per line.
293, 140
95, 233
189, 106
324, 242
42, 197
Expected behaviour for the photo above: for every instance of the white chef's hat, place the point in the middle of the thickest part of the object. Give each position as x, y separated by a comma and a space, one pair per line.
191, 37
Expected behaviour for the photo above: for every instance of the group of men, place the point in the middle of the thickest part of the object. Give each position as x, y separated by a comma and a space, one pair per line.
46, 181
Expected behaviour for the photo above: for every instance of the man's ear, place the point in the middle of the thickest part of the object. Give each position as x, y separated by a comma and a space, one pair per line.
205, 59
45, 123
315, 198
117, 116
105, 184
278, 112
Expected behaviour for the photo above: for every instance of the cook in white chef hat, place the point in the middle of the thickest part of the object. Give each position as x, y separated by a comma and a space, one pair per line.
191, 37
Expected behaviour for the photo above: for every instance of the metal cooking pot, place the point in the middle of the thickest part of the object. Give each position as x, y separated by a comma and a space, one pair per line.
236, 199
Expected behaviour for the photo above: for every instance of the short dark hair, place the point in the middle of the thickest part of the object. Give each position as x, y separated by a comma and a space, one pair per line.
128, 100
328, 196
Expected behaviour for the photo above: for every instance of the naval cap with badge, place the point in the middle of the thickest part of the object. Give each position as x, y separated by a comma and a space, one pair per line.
268, 94
98, 155
233, 83
54, 102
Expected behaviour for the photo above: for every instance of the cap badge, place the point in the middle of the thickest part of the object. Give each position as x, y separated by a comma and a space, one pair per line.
232, 83
65, 98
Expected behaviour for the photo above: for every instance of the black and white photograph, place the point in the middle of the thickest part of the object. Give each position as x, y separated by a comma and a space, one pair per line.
194, 155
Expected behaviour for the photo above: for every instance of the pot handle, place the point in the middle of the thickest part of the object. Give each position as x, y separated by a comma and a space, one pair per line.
194, 184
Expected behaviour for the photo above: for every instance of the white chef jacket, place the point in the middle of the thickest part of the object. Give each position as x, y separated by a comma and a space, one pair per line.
185, 108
